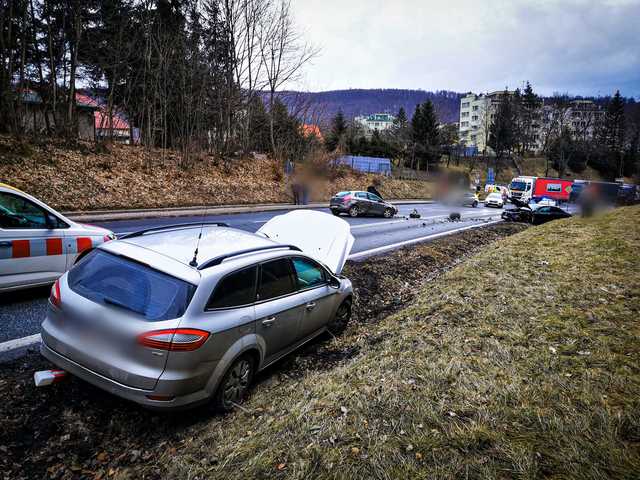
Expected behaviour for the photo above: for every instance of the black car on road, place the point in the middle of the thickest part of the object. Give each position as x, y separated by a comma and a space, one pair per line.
358, 203
536, 217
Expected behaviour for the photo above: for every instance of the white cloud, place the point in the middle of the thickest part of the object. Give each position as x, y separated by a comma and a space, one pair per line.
579, 46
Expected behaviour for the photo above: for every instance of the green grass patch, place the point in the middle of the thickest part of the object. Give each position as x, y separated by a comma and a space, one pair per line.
522, 362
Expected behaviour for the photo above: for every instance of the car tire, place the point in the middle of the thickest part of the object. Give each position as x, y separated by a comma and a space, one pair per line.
388, 213
474, 204
354, 211
235, 384
335, 212
341, 318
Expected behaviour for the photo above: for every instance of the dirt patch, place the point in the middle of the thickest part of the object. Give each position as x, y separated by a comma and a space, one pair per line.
74, 430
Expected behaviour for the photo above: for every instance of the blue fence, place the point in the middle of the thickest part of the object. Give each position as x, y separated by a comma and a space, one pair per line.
381, 166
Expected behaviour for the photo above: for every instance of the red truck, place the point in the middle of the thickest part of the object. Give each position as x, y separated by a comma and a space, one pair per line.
525, 188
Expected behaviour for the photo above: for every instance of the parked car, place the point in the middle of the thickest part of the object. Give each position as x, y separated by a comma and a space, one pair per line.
548, 213
494, 200
166, 319
357, 203
462, 199
37, 243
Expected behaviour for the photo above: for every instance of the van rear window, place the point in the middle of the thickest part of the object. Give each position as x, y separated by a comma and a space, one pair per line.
113, 280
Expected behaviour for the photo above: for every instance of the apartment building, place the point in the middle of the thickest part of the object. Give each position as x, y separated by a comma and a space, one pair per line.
376, 121
582, 117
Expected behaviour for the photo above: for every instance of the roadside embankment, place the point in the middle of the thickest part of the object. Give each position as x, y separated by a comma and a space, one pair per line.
128, 177
523, 361
74, 430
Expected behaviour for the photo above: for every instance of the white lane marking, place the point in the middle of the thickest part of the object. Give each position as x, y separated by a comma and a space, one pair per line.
30, 340
19, 343
365, 225
394, 246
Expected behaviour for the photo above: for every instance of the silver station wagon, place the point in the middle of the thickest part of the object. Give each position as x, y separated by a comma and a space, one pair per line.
183, 315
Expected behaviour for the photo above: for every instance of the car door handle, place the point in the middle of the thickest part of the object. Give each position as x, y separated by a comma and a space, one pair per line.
5, 244
267, 322
311, 305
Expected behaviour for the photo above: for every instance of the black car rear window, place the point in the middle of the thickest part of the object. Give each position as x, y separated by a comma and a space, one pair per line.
234, 290
342, 194
114, 280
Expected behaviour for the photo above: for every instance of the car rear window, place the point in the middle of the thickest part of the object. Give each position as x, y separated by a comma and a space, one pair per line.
342, 194
114, 280
235, 290
276, 279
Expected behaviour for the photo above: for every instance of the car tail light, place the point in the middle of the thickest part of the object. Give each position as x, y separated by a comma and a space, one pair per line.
346, 199
174, 339
54, 297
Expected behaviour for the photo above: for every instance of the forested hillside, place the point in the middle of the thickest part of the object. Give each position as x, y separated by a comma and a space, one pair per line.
324, 105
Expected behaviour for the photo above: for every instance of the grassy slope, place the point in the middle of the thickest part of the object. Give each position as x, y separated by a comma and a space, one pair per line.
133, 177
521, 362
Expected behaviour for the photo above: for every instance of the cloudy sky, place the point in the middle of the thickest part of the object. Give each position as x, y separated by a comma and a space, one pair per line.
584, 47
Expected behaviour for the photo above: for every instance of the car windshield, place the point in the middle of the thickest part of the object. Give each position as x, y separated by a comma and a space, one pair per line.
114, 280
518, 185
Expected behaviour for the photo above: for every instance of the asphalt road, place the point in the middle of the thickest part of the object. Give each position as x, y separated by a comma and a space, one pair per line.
22, 312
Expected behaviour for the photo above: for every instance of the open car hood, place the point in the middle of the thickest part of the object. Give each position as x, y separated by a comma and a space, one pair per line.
320, 235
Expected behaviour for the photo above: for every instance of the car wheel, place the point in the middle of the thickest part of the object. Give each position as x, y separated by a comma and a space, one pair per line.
235, 384
335, 212
341, 319
354, 211
474, 204
388, 213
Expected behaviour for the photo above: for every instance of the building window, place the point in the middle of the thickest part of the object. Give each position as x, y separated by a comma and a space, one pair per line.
465, 124
474, 118
465, 104
475, 108
464, 114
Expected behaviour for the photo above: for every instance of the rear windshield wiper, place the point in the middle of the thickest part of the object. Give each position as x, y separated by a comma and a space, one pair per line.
118, 303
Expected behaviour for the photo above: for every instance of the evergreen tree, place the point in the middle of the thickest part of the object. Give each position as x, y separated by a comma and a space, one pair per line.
613, 135
338, 131
425, 135
529, 112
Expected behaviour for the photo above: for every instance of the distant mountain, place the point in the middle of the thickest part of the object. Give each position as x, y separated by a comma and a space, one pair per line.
324, 105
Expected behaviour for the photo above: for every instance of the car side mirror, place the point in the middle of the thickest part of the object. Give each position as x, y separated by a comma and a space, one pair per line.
334, 282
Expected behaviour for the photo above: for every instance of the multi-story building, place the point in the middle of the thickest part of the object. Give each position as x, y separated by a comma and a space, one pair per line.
376, 121
477, 112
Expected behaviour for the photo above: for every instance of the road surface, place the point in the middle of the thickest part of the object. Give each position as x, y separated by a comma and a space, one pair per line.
22, 312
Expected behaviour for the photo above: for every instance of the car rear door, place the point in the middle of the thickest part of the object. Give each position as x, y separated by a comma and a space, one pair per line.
364, 204
32, 243
279, 307
320, 298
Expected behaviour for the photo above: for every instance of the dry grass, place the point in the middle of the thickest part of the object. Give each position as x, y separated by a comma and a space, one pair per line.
522, 362
122, 177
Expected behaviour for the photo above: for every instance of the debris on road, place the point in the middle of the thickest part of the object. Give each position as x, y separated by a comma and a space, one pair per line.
414, 214
454, 217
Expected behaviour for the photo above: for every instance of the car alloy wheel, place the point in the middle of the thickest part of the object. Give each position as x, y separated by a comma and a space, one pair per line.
388, 213
235, 384
354, 211
343, 315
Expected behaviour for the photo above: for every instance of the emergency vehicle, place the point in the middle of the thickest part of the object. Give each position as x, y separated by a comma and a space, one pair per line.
525, 188
37, 243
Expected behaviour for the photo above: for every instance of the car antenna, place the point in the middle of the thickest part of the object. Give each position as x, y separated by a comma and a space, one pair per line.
194, 260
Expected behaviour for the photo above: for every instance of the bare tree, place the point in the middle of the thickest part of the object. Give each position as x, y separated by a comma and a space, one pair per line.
283, 53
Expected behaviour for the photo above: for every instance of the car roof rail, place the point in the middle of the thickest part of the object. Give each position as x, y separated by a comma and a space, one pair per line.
139, 233
218, 260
